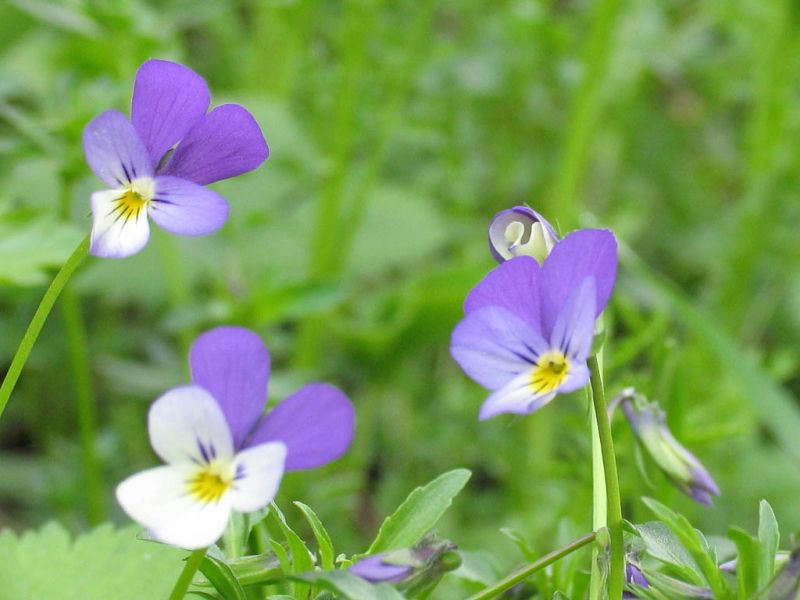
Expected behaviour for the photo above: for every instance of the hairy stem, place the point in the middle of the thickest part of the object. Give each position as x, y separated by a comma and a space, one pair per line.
39, 318
528, 570
616, 574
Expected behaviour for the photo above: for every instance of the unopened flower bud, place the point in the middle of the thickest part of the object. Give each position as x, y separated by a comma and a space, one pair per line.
418, 566
649, 424
521, 231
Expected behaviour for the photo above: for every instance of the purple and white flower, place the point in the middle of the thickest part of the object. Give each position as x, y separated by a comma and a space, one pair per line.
222, 454
528, 330
521, 231
158, 161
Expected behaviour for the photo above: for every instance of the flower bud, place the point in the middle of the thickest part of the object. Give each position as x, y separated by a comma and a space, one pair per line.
649, 424
520, 231
635, 576
418, 566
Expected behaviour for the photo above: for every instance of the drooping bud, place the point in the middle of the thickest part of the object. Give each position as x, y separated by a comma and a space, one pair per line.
520, 231
682, 467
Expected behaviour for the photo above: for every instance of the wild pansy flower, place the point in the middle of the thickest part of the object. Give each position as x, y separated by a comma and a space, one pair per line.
649, 423
521, 231
158, 161
528, 330
222, 454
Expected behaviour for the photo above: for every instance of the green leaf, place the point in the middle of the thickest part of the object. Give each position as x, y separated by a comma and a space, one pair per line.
222, 578
662, 545
747, 562
104, 563
301, 557
696, 545
28, 250
769, 537
350, 586
419, 512
326, 552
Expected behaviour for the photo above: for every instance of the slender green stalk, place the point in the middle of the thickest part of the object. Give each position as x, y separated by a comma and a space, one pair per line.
616, 574
186, 576
599, 503
39, 318
85, 403
525, 572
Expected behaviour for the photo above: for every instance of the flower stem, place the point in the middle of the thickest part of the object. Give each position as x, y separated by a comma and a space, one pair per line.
599, 505
614, 510
525, 572
84, 403
39, 318
186, 576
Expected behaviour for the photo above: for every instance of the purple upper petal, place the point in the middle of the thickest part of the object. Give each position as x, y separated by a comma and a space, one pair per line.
513, 285
168, 100
583, 253
186, 208
492, 345
114, 151
233, 364
316, 423
573, 332
225, 143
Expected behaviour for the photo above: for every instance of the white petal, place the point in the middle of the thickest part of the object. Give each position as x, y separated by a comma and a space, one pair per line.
577, 377
186, 425
115, 235
258, 474
158, 499
517, 396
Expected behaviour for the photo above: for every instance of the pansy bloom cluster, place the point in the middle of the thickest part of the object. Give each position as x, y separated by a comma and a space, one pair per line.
158, 161
222, 453
528, 329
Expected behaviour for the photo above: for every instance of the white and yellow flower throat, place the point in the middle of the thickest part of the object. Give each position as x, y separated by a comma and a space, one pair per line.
211, 481
550, 371
133, 200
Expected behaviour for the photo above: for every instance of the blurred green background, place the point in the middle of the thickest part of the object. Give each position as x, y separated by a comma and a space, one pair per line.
396, 131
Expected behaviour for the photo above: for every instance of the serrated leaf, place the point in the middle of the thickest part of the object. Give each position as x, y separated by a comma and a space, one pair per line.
350, 586
769, 537
324, 542
419, 512
104, 563
222, 578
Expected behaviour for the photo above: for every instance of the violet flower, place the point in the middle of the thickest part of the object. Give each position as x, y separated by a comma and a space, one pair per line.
379, 568
222, 454
528, 330
521, 231
158, 161
634, 575
649, 423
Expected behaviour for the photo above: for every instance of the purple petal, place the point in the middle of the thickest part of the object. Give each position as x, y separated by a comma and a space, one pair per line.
233, 364
492, 346
583, 253
114, 151
186, 208
527, 218
573, 332
168, 100
513, 285
226, 143
316, 423
373, 569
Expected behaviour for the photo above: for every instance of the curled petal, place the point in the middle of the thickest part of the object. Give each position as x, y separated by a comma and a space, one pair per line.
233, 364
114, 150
583, 253
493, 345
186, 425
168, 100
258, 474
119, 229
186, 208
520, 231
225, 143
316, 423
158, 500
516, 397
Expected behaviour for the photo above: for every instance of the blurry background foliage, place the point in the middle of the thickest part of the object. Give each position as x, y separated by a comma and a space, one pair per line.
396, 131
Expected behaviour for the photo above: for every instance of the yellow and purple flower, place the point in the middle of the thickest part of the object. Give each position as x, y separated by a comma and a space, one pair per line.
222, 454
528, 329
158, 161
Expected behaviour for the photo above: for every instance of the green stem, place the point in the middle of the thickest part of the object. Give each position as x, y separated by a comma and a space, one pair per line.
85, 403
616, 575
599, 504
525, 572
39, 318
186, 576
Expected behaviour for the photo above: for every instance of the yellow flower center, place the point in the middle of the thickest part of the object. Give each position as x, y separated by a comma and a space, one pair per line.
210, 482
550, 372
133, 200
